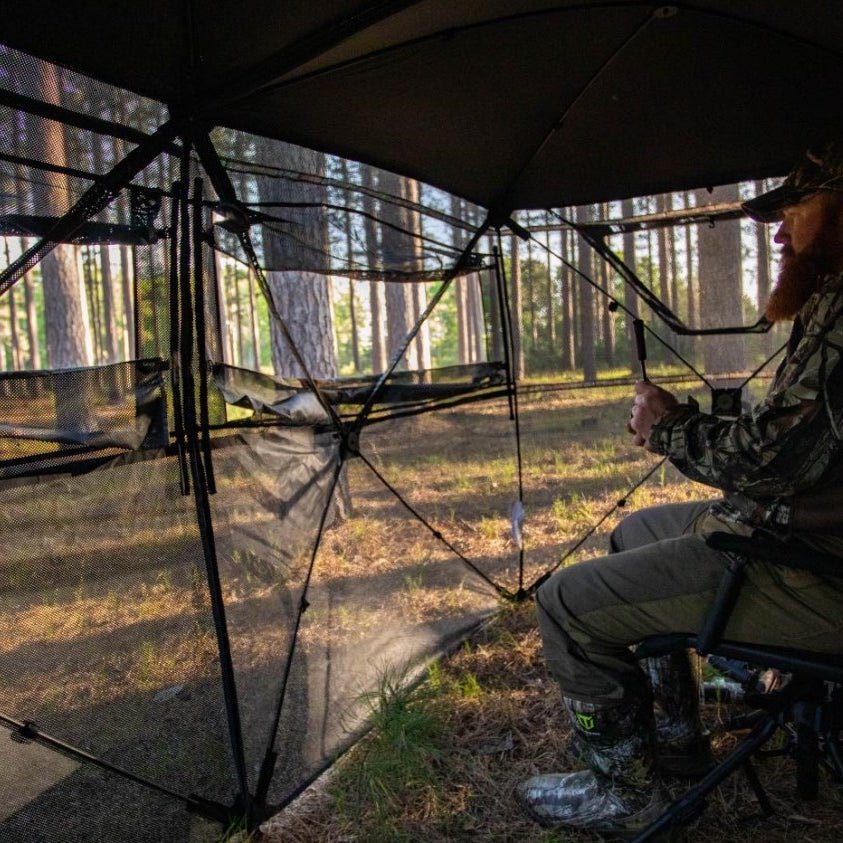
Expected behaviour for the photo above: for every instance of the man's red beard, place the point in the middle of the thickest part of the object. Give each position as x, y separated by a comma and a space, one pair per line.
799, 275
797, 280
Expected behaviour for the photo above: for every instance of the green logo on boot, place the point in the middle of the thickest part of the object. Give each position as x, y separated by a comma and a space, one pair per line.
586, 721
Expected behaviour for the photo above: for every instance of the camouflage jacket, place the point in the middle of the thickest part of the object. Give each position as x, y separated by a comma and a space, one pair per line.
790, 444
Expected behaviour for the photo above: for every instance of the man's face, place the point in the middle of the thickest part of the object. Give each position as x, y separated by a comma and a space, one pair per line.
811, 237
808, 224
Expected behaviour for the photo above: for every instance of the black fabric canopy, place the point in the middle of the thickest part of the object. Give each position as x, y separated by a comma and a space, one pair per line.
509, 103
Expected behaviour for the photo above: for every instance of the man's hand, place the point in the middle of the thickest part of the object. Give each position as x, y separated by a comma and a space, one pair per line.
650, 404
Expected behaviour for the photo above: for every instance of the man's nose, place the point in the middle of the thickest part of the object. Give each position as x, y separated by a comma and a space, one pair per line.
781, 236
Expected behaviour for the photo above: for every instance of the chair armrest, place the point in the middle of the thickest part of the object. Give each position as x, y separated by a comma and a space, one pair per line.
741, 551
787, 553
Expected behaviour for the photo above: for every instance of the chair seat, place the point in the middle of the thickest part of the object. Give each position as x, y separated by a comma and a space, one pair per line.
828, 666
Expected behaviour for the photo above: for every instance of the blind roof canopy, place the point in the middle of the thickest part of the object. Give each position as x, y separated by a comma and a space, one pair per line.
508, 103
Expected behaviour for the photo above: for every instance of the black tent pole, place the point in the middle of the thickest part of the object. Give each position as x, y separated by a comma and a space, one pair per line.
200, 488
505, 334
506, 319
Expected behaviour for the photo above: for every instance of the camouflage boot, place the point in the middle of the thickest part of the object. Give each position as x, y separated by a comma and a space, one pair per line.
619, 795
683, 746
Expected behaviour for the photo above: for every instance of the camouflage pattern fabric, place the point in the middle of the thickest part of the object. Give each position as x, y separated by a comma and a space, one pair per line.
620, 793
768, 460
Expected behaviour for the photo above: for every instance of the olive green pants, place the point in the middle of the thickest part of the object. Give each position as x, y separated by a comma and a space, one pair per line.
662, 579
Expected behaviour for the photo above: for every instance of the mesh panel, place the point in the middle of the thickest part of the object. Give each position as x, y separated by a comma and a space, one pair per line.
41, 80
69, 413
109, 642
323, 214
46, 797
272, 488
384, 597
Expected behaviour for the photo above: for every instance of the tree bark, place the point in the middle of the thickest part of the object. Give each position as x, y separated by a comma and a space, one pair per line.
692, 276
568, 284
394, 255
607, 316
630, 297
720, 277
31, 323
227, 350
253, 313
421, 342
516, 308
377, 298
64, 313
128, 301
589, 362
550, 293
302, 297
352, 303
664, 271
762, 261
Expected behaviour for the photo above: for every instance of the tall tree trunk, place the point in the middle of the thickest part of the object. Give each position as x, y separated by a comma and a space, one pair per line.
109, 310
463, 345
302, 297
551, 304
394, 256
531, 296
352, 304
607, 316
418, 293
720, 277
64, 312
665, 275
495, 338
92, 296
762, 261
31, 322
126, 256
377, 298
253, 313
126, 281
234, 286
227, 349
109, 318
689, 263
478, 324
568, 284
13, 317
516, 308
589, 362
671, 257
630, 297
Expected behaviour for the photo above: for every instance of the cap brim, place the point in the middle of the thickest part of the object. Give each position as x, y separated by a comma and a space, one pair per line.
768, 206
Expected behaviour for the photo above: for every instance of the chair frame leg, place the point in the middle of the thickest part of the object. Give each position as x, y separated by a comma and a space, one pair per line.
688, 806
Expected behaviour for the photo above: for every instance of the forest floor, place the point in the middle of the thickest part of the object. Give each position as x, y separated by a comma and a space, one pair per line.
443, 763
443, 759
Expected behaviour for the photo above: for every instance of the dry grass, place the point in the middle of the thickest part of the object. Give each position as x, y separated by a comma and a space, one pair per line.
498, 715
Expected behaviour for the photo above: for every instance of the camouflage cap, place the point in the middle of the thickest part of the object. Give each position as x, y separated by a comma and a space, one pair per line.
820, 169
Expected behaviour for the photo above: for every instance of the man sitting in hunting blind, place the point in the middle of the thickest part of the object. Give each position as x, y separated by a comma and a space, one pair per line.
779, 467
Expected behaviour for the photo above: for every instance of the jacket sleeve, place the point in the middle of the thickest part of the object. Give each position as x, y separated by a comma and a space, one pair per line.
786, 442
